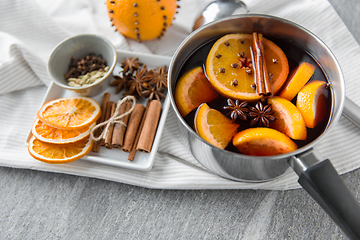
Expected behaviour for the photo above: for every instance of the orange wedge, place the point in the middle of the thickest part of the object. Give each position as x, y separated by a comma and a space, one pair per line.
59, 153
263, 141
296, 80
289, 119
214, 127
231, 77
311, 102
49, 134
70, 113
193, 89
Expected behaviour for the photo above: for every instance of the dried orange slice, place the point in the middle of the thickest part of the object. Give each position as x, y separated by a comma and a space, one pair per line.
59, 153
214, 127
193, 89
141, 20
70, 113
289, 119
296, 80
311, 102
49, 134
263, 141
228, 74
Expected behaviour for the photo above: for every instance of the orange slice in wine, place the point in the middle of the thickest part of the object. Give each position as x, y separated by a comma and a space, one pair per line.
296, 80
229, 70
214, 127
289, 119
311, 102
193, 89
263, 141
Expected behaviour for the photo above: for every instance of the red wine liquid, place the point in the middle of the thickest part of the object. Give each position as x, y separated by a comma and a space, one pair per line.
295, 56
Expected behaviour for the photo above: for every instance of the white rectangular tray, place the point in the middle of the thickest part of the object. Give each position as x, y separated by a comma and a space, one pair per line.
116, 157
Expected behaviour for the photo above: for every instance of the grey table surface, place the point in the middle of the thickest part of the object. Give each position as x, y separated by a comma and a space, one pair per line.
41, 205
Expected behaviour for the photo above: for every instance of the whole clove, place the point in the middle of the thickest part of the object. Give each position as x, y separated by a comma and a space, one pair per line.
84, 65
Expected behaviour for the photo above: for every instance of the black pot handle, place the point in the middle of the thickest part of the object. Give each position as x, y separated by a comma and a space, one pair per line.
320, 179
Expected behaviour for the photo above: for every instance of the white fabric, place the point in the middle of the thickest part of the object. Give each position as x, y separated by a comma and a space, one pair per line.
30, 29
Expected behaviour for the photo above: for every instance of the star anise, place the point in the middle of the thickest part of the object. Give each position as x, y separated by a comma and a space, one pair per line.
159, 78
153, 92
261, 115
130, 65
237, 109
120, 82
137, 82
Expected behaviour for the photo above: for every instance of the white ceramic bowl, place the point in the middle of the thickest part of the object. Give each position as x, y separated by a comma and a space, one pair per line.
81, 46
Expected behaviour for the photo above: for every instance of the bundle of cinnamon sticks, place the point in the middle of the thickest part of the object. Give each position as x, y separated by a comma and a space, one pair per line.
262, 79
137, 130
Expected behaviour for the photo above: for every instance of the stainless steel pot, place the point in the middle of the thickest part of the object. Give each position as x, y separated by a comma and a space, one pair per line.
317, 176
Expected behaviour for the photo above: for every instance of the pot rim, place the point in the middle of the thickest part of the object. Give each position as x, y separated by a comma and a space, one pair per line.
334, 116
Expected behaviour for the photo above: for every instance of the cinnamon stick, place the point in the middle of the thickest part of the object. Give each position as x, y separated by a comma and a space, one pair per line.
267, 80
109, 133
133, 126
259, 77
106, 97
133, 151
262, 80
107, 116
150, 125
105, 100
115, 138
120, 129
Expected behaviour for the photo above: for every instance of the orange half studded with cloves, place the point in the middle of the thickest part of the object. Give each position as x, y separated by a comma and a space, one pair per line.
141, 20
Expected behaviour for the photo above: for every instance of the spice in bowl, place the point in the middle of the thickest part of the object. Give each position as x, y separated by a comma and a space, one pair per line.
86, 70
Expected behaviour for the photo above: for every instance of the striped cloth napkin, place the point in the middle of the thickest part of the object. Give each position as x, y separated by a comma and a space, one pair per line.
30, 29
